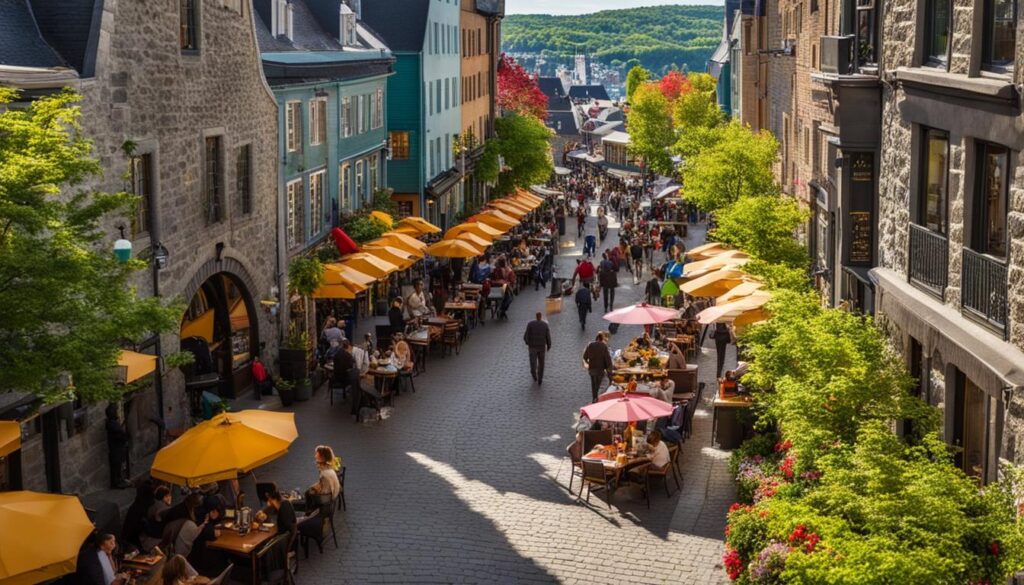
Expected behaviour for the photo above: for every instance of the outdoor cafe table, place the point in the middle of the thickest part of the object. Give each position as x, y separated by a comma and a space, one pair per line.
640, 372
419, 341
237, 545
468, 307
616, 468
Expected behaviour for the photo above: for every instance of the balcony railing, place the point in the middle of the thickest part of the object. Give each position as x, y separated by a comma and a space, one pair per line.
984, 288
929, 259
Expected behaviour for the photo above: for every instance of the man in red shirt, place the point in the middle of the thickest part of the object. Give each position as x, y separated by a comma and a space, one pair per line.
259, 377
585, 271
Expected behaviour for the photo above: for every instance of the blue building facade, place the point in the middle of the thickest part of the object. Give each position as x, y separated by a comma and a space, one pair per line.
329, 75
423, 103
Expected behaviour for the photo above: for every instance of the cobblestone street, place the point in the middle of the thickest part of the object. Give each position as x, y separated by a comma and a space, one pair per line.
467, 480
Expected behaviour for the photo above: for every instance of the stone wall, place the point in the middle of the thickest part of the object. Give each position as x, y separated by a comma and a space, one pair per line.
147, 91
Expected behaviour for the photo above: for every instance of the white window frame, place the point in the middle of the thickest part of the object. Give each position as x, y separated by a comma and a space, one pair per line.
361, 113
378, 108
294, 223
373, 172
360, 181
316, 201
346, 116
317, 121
344, 194
293, 127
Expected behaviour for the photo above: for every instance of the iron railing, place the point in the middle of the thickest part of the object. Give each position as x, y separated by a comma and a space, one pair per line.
929, 259
983, 289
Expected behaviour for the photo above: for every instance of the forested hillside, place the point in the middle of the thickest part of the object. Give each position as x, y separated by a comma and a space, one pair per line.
657, 36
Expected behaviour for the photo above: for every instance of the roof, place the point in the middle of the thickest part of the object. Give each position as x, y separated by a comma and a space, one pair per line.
552, 88
307, 35
563, 123
721, 54
21, 43
401, 23
616, 138
588, 91
71, 28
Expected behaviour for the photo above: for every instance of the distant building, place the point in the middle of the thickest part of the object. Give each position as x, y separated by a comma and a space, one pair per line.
174, 102
480, 49
580, 72
329, 75
588, 92
423, 103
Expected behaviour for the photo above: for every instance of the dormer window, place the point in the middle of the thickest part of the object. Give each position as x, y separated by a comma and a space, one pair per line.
347, 26
282, 19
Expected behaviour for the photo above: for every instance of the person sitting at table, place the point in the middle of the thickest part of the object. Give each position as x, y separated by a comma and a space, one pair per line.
676, 358
344, 367
281, 509
97, 565
663, 390
178, 571
655, 450
197, 527
359, 355
416, 303
401, 356
327, 485
395, 317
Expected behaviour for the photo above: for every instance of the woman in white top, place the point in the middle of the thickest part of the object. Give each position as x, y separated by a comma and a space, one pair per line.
327, 483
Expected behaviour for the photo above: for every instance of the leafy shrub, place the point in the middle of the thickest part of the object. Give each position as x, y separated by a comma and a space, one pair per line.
363, 228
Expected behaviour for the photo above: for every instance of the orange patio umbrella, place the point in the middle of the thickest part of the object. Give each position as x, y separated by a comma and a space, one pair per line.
527, 196
41, 536
398, 240
369, 264
508, 207
476, 228
407, 230
496, 219
336, 273
713, 284
419, 224
10, 437
701, 267
453, 249
337, 291
475, 240
739, 312
397, 256
745, 289
705, 251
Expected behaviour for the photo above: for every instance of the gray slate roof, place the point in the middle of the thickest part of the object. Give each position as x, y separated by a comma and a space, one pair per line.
596, 92
308, 34
71, 27
567, 120
401, 23
21, 43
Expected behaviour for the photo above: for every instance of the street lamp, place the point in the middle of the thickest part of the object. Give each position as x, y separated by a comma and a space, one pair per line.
122, 248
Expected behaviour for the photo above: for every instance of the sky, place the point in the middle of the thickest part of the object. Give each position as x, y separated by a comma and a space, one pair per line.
585, 6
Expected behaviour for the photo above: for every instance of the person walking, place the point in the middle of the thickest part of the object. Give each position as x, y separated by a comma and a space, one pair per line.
581, 221
722, 336
118, 441
584, 303
598, 361
538, 339
636, 253
608, 278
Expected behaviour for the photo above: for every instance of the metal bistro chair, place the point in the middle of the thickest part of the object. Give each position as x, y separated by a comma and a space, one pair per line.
272, 561
594, 473
452, 336
575, 453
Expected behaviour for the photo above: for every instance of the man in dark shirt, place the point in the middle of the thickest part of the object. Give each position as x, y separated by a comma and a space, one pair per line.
538, 339
598, 361
281, 508
395, 317
584, 304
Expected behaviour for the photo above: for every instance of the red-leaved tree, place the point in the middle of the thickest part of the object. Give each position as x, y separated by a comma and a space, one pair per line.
673, 85
518, 92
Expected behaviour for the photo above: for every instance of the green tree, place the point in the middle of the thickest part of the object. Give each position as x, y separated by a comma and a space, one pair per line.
68, 304
765, 228
650, 129
522, 143
697, 116
636, 77
737, 164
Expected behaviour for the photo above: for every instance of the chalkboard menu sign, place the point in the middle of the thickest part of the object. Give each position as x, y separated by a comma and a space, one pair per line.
860, 237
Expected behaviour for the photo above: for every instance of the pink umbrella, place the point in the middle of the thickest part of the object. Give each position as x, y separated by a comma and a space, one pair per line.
631, 407
641, 314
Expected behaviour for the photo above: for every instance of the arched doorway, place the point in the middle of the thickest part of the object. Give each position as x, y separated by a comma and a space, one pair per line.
220, 327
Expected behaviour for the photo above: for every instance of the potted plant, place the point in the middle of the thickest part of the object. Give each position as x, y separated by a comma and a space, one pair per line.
303, 390
305, 275
295, 353
286, 390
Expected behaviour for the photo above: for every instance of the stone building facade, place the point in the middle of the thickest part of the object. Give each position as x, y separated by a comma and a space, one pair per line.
175, 104
950, 275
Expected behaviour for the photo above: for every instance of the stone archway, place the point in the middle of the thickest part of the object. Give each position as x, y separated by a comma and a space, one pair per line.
221, 326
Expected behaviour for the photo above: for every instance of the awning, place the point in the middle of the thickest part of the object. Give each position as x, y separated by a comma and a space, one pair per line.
988, 361
622, 174
667, 191
133, 365
10, 437
542, 190
562, 171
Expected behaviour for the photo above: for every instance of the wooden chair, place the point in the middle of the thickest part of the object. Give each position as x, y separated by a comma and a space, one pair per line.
452, 336
685, 380
575, 453
594, 473
341, 494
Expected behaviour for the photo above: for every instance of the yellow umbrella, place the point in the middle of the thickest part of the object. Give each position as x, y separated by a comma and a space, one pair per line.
476, 228
407, 230
10, 437
529, 205
508, 207
453, 249
384, 217
401, 258
402, 241
705, 251
496, 220
739, 312
336, 291
201, 326
694, 269
224, 446
744, 289
369, 264
133, 365
336, 273
474, 240
419, 224
527, 196
713, 284
41, 536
